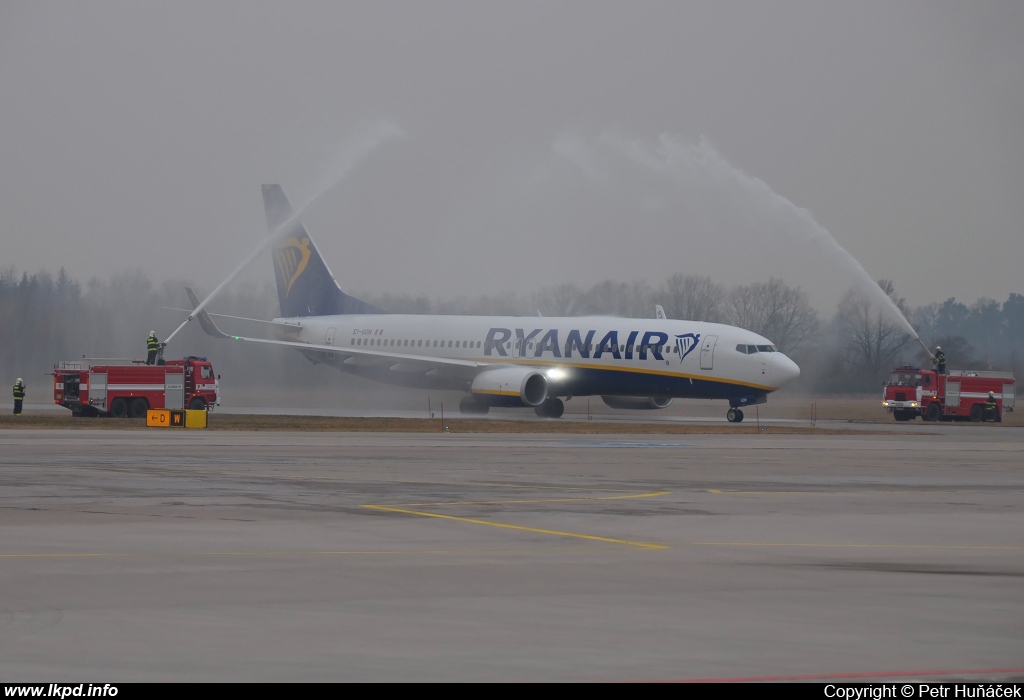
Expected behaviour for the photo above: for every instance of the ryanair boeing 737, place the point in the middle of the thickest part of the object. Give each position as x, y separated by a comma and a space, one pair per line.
505, 361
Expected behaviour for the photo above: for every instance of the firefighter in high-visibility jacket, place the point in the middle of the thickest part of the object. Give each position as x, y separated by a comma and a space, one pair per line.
19, 395
153, 346
991, 407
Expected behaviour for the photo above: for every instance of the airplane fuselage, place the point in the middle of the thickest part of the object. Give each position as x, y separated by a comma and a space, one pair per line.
580, 356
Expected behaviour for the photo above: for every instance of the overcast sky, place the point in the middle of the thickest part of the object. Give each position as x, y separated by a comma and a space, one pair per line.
521, 144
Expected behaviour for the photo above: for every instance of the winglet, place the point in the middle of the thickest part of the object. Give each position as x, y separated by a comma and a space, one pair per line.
209, 327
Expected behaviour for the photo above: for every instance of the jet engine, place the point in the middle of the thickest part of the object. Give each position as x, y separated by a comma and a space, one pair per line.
637, 403
510, 386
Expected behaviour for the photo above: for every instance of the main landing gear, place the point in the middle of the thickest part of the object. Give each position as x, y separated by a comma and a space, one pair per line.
734, 415
469, 406
552, 408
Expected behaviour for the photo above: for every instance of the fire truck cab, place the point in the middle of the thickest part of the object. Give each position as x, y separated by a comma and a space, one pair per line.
128, 388
956, 395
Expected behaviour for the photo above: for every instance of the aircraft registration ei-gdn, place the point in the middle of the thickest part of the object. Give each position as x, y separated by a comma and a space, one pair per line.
508, 361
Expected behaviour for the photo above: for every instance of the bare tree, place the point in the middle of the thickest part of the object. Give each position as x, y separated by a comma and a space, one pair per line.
694, 298
870, 340
773, 309
789, 318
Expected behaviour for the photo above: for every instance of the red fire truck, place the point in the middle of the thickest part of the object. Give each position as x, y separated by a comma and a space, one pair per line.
958, 395
129, 388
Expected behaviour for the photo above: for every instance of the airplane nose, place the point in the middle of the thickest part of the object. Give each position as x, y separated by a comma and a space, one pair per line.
784, 370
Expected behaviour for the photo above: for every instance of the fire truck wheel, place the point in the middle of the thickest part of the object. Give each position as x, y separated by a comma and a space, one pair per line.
197, 404
977, 413
119, 408
139, 408
933, 413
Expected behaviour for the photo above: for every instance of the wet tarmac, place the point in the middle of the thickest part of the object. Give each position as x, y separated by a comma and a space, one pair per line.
220, 556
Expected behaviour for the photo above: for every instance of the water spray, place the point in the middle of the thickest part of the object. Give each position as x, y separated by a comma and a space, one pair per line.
687, 164
930, 353
354, 153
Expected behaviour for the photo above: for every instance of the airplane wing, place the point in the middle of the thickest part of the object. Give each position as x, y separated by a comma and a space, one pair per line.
275, 324
399, 362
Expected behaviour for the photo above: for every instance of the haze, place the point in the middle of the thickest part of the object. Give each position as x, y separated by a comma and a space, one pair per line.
529, 143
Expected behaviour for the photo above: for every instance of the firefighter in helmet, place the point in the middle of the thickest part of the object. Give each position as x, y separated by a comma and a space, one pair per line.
939, 360
153, 346
19, 395
991, 408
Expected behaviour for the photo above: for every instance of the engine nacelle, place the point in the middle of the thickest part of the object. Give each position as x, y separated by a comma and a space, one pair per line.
510, 386
637, 403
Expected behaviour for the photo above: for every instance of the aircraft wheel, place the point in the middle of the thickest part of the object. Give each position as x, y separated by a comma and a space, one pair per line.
469, 406
119, 408
138, 408
734, 415
552, 408
197, 404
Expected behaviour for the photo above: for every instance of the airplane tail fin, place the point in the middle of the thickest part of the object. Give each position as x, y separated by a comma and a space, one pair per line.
305, 286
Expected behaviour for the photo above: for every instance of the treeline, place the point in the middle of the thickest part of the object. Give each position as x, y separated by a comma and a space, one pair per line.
45, 318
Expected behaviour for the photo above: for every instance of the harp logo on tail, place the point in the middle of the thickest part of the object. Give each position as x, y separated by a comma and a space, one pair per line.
292, 256
686, 343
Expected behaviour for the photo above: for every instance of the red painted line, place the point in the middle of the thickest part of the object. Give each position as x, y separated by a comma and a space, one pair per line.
841, 676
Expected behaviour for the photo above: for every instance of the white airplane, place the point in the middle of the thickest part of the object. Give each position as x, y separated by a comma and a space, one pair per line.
506, 361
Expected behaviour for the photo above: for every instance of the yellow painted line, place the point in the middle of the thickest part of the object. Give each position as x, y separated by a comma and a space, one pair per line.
855, 546
558, 533
537, 500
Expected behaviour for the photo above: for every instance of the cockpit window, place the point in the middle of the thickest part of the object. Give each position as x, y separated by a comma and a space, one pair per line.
766, 348
741, 348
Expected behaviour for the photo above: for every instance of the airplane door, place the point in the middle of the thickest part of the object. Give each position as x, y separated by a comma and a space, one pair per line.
329, 340
707, 352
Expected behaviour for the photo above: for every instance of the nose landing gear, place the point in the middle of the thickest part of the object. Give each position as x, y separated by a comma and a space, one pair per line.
734, 415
